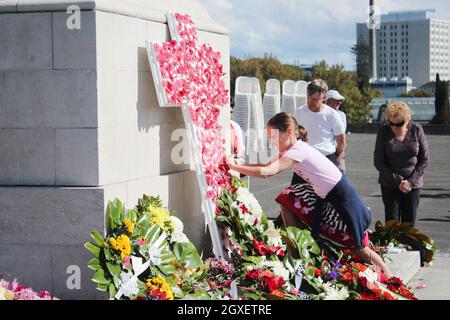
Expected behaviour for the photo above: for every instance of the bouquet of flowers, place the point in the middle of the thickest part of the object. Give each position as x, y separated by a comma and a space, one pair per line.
141, 252
15, 291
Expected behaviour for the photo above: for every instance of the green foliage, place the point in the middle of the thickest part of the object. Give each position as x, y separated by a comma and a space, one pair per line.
403, 233
441, 102
361, 51
416, 93
357, 101
264, 69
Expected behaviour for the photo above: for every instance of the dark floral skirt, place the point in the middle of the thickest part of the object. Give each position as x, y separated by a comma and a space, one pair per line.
300, 199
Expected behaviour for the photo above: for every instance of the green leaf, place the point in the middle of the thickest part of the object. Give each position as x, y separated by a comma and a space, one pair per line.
92, 248
99, 277
103, 287
113, 269
199, 295
187, 254
112, 290
98, 238
94, 264
253, 259
114, 212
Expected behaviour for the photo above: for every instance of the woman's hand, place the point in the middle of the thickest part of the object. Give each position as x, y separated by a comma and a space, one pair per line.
231, 162
405, 186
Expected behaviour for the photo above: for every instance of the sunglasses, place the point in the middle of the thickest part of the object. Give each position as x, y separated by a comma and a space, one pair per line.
398, 125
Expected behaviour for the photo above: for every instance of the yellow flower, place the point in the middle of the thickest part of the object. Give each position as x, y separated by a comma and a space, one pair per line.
129, 225
162, 218
160, 283
123, 244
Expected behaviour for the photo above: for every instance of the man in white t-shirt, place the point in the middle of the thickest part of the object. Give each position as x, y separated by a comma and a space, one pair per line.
334, 100
326, 131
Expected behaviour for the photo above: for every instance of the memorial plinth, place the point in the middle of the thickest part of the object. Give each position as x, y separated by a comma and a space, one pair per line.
80, 125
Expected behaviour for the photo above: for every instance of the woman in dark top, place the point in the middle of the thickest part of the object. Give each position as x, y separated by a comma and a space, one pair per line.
400, 156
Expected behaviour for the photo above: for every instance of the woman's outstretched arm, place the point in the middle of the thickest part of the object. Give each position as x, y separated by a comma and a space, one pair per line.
262, 171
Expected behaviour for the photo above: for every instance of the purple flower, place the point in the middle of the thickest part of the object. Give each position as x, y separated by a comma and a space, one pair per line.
333, 274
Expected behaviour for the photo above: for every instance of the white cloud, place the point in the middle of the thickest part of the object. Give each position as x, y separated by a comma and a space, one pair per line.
303, 30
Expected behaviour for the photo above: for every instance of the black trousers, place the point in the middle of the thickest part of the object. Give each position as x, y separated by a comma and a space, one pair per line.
400, 206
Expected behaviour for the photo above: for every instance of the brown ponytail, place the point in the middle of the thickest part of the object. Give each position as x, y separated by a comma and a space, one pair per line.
283, 120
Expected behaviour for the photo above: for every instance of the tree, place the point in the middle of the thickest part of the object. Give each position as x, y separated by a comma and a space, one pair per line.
361, 51
441, 102
268, 67
416, 93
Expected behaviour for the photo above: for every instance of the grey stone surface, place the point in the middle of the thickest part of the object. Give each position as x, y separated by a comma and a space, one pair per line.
8, 6
404, 265
26, 41
64, 257
76, 157
50, 216
30, 264
68, 44
193, 217
138, 8
27, 156
48, 98
433, 282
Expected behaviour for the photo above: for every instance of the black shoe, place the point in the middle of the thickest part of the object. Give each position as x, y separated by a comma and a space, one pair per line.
278, 222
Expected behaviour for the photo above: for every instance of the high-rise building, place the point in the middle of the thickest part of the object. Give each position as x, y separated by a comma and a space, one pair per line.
410, 44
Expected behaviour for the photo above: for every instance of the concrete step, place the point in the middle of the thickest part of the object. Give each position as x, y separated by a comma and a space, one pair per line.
404, 265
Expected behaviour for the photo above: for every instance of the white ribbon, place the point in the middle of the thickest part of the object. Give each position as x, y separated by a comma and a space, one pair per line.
155, 255
298, 279
234, 290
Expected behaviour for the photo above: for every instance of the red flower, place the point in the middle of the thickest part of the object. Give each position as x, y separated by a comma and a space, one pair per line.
271, 281
317, 272
253, 274
347, 276
260, 247
388, 296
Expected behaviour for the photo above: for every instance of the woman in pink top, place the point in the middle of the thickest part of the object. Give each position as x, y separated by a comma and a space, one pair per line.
327, 203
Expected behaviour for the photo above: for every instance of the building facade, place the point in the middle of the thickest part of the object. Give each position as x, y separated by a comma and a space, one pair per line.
411, 44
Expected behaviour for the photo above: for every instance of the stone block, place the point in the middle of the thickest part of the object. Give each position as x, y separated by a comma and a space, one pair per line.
404, 265
50, 216
76, 157
74, 257
74, 48
26, 40
27, 157
30, 264
193, 217
117, 47
48, 99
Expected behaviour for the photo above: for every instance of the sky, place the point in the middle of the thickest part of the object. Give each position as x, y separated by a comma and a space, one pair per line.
299, 31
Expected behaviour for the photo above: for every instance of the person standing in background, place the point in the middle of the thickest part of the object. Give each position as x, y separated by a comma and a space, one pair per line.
326, 132
334, 100
401, 157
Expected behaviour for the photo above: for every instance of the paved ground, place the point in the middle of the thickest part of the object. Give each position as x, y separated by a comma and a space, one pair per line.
434, 212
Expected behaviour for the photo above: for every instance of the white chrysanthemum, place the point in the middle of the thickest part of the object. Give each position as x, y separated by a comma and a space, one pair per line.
277, 268
177, 233
273, 235
246, 217
244, 196
370, 275
333, 293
